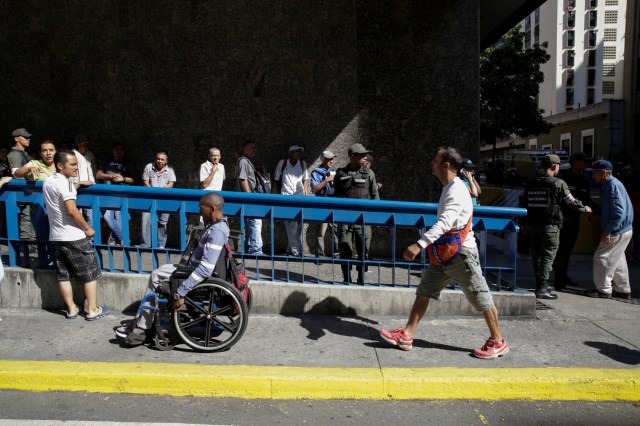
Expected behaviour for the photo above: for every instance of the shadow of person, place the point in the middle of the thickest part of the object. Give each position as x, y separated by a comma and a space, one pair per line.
326, 316
616, 352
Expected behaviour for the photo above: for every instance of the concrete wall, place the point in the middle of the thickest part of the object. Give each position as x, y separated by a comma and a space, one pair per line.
24, 288
399, 76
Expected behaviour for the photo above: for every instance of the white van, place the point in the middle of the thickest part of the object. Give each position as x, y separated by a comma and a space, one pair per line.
522, 164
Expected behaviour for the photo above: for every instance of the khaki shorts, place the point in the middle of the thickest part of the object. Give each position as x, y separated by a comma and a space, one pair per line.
464, 268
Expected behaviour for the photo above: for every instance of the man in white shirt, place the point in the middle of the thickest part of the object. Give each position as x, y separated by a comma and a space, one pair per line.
212, 171
70, 235
291, 177
158, 174
454, 216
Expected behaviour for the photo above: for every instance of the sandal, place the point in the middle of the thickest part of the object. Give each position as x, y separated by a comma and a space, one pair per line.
72, 316
104, 311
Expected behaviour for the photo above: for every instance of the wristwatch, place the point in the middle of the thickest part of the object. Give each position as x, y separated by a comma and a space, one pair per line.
176, 296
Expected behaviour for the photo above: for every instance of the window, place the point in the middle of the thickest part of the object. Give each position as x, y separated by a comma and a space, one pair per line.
611, 17
527, 23
536, 34
609, 52
591, 58
565, 142
527, 39
571, 35
591, 38
610, 34
587, 142
609, 70
591, 4
569, 78
533, 143
569, 97
571, 19
569, 58
610, 2
591, 96
592, 19
608, 87
591, 77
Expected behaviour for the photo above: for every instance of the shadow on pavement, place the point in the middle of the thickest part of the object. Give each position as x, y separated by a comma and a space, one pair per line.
617, 353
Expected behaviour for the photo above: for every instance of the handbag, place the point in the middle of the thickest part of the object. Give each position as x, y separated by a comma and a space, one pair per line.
442, 250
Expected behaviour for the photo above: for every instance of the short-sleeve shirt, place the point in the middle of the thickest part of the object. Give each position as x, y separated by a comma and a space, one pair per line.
292, 177
317, 176
44, 170
218, 177
85, 173
246, 171
114, 167
56, 190
158, 178
17, 158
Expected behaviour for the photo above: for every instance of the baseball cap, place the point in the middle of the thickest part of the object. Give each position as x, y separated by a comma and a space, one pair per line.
296, 148
358, 148
579, 156
328, 155
549, 160
82, 137
601, 165
467, 164
21, 132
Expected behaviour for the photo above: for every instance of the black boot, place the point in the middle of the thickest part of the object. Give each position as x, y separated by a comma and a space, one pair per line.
346, 274
543, 292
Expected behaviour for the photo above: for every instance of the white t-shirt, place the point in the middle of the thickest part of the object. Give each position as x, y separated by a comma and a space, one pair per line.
84, 169
454, 211
56, 190
291, 178
218, 177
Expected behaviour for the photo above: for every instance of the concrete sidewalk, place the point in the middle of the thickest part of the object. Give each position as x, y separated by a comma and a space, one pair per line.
575, 348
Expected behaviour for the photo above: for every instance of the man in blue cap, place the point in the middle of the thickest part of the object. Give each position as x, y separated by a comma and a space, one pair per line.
610, 271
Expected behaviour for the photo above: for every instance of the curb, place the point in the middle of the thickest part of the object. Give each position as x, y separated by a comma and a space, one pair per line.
271, 382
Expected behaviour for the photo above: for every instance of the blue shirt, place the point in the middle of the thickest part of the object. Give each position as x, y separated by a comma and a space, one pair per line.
615, 207
317, 176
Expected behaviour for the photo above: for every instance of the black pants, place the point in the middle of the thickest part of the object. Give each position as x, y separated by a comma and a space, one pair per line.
568, 238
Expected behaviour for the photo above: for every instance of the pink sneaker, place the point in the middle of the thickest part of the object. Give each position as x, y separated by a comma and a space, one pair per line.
397, 338
492, 349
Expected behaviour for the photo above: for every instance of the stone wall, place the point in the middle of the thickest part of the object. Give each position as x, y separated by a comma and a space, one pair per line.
398, 76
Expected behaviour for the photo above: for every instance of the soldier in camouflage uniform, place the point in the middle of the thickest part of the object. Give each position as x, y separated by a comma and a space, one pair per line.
544, 197
355, 181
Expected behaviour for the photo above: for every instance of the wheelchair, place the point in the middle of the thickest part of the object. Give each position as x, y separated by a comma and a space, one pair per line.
213, 318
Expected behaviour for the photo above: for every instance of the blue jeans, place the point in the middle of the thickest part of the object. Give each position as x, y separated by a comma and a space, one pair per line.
253, 235
163, 218
114, 220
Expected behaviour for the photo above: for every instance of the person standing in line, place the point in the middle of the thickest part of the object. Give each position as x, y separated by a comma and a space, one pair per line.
545, 196
467, 174
290, 178
87, 169
18, 157
322, 186
579, 187
610, 270
3, 180
83, 142
454, 216
355, 181
116, 171
247, 182
212, 172
158, 174
39, 170
70, 235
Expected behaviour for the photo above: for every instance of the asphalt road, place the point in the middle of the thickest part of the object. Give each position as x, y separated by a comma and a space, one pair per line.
93, 408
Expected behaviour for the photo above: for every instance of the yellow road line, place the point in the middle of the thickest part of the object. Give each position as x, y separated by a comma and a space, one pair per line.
240, 381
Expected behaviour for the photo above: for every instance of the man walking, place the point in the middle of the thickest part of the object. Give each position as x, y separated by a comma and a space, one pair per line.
158, 174
322, 185
70, 235
355, 181
545, 197
610, 271
454, 216
212, 172
291, 178
579, 187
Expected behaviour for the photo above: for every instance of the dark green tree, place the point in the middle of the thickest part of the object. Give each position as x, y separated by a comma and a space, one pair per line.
510, 77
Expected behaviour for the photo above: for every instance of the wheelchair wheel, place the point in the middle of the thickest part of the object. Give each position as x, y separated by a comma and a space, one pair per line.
213, 317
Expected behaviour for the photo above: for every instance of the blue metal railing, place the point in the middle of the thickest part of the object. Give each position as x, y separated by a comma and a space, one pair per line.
184, 203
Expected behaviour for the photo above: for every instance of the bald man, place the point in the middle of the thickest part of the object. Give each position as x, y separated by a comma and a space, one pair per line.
203, 261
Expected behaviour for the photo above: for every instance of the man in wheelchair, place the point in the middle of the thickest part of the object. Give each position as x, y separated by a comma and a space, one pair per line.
202, 262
